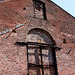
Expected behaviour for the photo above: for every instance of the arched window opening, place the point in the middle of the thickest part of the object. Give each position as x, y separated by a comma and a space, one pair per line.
41, 57
41, 53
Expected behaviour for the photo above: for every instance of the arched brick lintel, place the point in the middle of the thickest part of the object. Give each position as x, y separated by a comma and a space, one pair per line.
42, 31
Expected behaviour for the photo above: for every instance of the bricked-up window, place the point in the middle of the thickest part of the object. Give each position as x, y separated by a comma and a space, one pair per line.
39, 9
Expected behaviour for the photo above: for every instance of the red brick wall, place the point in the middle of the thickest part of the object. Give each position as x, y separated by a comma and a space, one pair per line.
59, 24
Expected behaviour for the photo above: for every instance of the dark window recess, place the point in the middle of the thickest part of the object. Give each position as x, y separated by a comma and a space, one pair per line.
39, 9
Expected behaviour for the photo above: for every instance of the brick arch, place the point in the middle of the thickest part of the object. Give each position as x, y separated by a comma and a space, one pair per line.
40, 35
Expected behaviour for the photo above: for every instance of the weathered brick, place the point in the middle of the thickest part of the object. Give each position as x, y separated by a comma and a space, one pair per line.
59, 24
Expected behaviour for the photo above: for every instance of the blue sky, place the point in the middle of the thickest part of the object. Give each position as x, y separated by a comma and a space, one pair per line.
68, 5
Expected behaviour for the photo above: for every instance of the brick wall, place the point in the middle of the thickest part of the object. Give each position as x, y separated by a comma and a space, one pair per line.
59, 24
